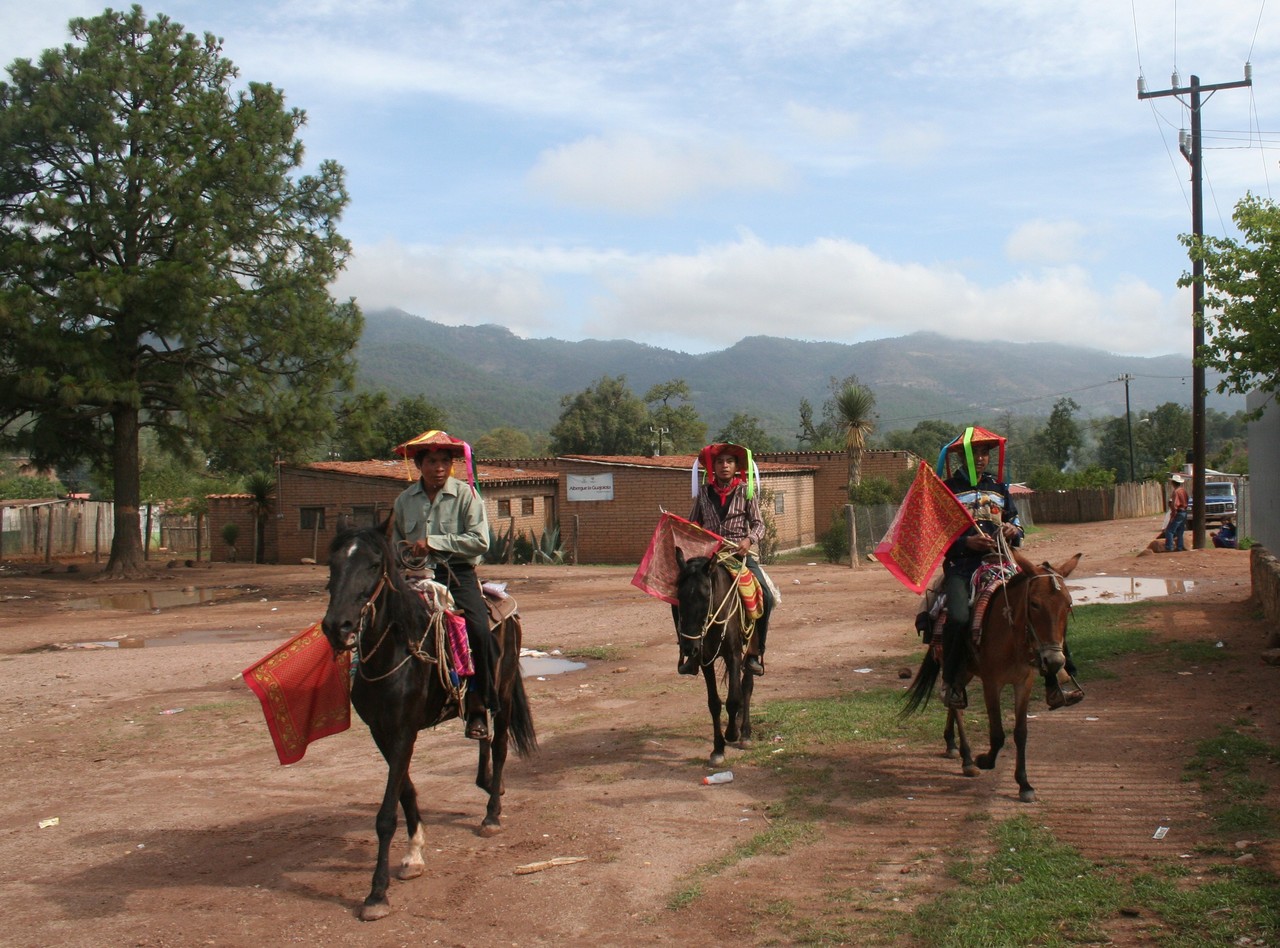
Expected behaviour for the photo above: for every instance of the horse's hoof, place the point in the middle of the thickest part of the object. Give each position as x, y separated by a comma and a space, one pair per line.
716, 760
970, 770
371, 912
746, 743
951, 754
488, 829
1027, 796
410, 870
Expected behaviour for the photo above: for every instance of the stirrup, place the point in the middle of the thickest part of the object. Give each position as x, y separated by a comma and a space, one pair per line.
955, 699
1064, 693
754, 665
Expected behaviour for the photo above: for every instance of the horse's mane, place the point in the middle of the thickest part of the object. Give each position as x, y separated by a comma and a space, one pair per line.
405, 607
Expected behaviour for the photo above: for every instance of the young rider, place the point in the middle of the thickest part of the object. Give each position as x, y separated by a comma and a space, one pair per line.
725, 503
440, 526
997, 528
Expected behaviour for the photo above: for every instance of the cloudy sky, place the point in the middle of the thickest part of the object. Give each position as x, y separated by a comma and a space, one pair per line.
687, 174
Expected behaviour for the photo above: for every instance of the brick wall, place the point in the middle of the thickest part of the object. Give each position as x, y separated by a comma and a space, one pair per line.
312, 505
831, 475
619, 530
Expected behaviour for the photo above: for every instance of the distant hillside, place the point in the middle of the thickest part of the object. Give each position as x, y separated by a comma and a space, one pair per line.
485, 376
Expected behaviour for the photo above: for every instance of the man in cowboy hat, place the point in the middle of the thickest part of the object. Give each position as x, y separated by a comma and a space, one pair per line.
997, 527
725, 503
1179, 504
440, 526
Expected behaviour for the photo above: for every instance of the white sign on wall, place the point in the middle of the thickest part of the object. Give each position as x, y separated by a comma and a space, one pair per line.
589, 486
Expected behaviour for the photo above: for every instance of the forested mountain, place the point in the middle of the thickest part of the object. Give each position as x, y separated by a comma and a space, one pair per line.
485, 376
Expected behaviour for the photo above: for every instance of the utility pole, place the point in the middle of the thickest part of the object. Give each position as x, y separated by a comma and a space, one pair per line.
1190, 147
1128, 420
659, 432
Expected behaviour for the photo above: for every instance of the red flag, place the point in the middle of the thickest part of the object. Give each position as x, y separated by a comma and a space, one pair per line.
304, 690
929, 520
657, 572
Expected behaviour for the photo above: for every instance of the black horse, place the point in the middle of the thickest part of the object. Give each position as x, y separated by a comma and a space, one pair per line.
711, 621
401, 685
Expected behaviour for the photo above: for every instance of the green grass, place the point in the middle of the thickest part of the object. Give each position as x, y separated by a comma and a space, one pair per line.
1034, 890
1234, 771
1031, 889
601, 653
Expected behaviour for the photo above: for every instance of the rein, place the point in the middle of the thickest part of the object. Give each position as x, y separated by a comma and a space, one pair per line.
719, 616
369, 615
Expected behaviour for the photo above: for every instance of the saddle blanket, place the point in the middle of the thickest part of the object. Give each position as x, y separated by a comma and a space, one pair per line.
657, 572
304, 690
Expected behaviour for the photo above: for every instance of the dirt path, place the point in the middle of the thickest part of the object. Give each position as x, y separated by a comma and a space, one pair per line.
182, 828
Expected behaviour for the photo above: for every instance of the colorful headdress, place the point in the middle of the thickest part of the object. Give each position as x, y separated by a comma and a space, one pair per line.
706, 459
438, 441
962, 448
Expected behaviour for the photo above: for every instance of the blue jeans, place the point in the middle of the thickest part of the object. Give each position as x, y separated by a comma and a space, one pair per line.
1173, 532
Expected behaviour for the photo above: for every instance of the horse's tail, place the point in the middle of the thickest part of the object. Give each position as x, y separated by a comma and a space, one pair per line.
520, 729
922, 687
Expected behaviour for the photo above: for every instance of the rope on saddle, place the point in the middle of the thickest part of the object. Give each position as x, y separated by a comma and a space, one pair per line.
750, 598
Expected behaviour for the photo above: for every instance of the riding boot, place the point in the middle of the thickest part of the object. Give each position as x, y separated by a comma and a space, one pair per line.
755, 657
1063, 689
688, 664
477, 725
954, 646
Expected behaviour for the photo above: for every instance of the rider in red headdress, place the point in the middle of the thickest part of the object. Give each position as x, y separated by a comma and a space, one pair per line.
725, 503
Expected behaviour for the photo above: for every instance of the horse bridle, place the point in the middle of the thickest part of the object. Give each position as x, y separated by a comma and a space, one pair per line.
714, 616
1033, 637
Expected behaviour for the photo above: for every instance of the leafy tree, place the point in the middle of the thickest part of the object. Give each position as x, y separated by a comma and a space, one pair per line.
925, 440
503, 442
746, 430
1048, 477
1241, 286
605, 418
1061, 436
684, 430
159, 266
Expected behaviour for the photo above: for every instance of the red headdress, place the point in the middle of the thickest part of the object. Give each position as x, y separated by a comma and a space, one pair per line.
707, 457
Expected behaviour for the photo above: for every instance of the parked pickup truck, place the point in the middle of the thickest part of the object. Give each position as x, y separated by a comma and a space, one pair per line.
1219, 501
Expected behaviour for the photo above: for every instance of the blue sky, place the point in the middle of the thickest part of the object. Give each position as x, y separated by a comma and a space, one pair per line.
687, 174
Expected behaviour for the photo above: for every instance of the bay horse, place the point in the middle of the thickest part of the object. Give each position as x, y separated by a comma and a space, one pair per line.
400, 685
710, 623
1024, 629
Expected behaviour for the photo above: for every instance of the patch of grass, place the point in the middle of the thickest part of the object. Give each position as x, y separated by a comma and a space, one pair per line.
1228, 767
783, 833
1101, 632
600, 653
1034, 890
863, 716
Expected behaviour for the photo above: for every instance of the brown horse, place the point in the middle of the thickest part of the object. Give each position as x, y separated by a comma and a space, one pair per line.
401, 684
710, 620
1024, 631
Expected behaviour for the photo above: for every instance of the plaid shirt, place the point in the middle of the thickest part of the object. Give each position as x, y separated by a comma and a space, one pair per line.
741, 519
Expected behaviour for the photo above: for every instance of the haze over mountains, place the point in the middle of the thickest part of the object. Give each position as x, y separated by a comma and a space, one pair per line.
486, 376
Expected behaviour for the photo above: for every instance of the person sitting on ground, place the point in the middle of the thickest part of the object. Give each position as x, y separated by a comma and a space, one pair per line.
440, 528
725, 503
1225, 536
997, 530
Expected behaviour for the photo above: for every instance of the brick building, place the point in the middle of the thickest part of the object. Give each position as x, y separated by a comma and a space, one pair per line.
606, 507
314, 502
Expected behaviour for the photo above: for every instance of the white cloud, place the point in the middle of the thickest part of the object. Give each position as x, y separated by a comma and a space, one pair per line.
1046, 242
636, 174
447, 286
823, 124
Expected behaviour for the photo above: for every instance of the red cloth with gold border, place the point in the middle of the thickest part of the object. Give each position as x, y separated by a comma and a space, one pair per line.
305, 692
929, 520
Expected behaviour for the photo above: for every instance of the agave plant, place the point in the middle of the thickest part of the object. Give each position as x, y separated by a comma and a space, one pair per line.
549, 549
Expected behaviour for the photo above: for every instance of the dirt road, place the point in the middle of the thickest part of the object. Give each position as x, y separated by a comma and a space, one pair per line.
176, 825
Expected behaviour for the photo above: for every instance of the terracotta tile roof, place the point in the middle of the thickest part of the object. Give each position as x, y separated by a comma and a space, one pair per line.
681, 462
398, 470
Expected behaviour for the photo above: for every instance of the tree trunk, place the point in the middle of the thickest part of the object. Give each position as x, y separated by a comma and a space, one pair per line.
126, 546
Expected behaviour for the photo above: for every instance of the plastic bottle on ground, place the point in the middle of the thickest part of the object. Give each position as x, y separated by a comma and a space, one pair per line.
725, 776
